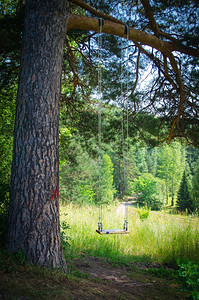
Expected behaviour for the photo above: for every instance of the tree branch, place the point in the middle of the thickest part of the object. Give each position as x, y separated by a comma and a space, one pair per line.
109, 27
113, 28
95, 12
176, 45
149, 14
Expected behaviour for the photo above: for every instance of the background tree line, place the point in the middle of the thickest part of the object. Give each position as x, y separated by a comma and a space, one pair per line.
161, 168
154, 173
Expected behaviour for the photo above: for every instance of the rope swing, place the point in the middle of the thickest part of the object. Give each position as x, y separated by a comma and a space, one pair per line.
101, 22
125, 104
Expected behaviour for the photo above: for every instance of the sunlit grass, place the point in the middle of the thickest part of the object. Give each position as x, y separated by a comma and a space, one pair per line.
162, 238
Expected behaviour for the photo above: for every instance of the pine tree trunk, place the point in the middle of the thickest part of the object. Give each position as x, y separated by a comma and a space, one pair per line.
33, 224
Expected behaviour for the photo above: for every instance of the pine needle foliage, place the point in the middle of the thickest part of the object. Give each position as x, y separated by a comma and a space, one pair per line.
184, 199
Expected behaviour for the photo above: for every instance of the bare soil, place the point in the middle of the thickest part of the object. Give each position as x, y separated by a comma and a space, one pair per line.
89, 278
130, 282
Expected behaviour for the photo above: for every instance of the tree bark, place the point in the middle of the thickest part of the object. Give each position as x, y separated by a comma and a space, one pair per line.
33, 223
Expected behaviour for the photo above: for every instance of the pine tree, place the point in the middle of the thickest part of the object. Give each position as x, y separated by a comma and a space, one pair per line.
184, 200
195, 186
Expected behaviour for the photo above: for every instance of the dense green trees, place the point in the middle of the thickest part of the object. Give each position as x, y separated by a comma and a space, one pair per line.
170, 168
78, 175
7, 110
107, 189
160, 185
150, 191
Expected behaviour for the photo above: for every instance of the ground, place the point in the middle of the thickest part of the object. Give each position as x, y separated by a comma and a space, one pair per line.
129, 282
89, 278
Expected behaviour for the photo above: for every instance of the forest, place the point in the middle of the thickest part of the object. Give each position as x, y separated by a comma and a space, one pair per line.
99, 122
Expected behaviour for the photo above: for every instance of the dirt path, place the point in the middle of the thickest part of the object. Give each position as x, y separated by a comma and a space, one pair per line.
89, 278
121, 209
127, 282
125, 207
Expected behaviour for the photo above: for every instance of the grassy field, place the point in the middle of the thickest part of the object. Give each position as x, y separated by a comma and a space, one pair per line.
160, 238
140, 265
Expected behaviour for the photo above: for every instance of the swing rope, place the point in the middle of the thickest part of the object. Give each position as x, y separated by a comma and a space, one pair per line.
125, 107
101, 21
124, 100
127, 131
122, 126
122, 116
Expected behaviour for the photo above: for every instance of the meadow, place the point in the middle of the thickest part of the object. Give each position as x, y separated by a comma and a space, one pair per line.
139, 265
160, 238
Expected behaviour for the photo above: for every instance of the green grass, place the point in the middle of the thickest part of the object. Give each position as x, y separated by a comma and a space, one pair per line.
160, 238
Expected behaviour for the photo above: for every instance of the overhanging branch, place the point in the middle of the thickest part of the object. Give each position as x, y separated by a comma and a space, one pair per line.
118, 29
113, 27
95, 12
109, 27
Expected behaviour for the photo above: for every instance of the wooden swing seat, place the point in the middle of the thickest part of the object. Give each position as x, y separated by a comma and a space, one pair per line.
112, 231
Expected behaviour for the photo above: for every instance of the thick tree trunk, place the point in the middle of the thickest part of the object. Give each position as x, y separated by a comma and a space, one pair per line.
33, 224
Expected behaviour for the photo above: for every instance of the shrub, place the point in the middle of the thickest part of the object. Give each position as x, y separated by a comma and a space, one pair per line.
190, 274
4, 204
143, 212
64, 237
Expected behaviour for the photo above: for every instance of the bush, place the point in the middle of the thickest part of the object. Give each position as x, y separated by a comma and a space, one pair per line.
190, 274
4, 205
85, 194
64, 226
143, 212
